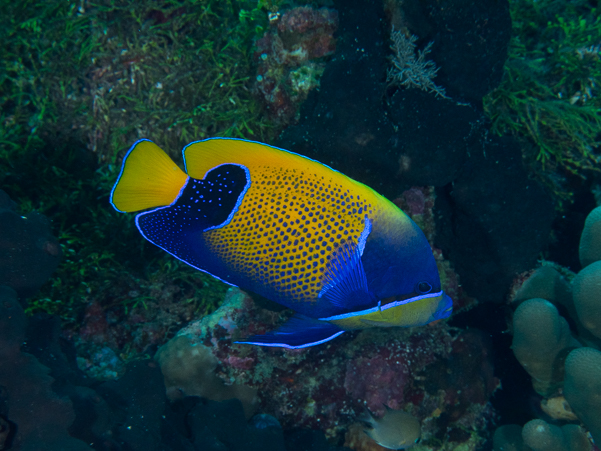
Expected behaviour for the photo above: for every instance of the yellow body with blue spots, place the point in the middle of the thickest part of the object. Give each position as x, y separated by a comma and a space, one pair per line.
288, 228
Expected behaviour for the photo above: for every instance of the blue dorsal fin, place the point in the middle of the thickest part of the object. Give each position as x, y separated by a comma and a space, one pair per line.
298, 332
345, 282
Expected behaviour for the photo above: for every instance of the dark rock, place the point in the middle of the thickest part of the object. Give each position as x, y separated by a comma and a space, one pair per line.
176, 428
45, 342
309, 440
222, 425
393, 137
470, 45
93, 416
29, 253
223, 421
494, 220
435, 136
343, 123
137, 401
40, 417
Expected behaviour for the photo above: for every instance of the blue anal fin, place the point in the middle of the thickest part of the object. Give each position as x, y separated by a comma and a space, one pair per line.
298, 332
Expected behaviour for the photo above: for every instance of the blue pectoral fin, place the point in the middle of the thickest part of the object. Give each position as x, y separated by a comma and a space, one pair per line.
345, 286
298, 332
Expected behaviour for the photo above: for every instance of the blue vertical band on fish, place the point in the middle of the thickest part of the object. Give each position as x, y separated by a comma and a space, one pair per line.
288, 228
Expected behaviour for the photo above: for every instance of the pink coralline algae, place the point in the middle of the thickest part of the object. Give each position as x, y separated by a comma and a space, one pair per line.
290, 58
329, 387
376, 380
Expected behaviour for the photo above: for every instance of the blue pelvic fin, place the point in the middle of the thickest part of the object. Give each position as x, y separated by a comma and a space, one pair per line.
345, 283
298, 332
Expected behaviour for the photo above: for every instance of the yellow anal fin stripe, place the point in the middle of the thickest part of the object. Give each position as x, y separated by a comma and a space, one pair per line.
148, 179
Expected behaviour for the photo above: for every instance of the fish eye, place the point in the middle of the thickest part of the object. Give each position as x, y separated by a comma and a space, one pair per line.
423, 287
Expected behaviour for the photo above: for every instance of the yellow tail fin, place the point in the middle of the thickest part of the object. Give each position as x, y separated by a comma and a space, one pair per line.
148, 179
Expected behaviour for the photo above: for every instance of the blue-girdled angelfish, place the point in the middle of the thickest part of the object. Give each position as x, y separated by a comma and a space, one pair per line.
288, 228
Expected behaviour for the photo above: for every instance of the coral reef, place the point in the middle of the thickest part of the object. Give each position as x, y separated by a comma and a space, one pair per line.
131, 412
329, 387
586, 297
540, 436
559, 363
190, 371
81, 82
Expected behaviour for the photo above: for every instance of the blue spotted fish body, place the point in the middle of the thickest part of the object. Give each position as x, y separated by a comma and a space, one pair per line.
288, 228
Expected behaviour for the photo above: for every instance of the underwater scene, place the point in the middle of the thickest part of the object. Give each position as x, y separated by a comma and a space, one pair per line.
283, 225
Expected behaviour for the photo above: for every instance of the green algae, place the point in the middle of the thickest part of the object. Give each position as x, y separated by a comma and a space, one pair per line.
107, 73
79, 83
548, 97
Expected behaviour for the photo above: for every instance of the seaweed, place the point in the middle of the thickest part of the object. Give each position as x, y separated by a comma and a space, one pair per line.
549, 93
79, 83
107, 73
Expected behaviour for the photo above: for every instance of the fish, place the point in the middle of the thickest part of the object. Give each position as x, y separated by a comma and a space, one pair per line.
395, 430
288, 228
